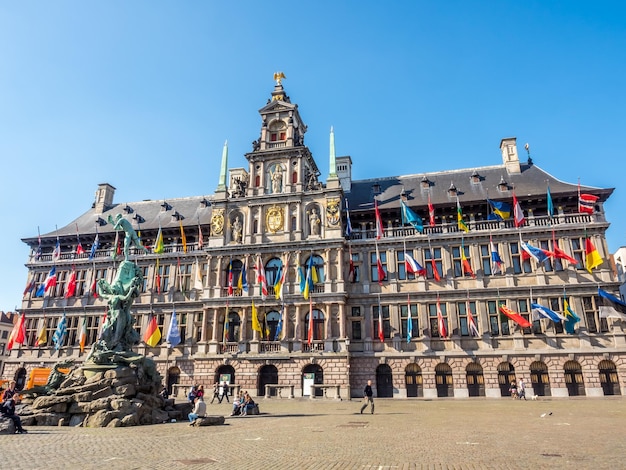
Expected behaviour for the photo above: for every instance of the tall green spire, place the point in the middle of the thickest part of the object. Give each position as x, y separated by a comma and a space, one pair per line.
221, 185
332, 164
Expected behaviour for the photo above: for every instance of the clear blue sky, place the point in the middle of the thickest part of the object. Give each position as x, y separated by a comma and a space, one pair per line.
143, 94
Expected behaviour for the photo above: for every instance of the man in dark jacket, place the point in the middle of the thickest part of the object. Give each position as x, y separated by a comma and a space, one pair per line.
7, 408
368, 397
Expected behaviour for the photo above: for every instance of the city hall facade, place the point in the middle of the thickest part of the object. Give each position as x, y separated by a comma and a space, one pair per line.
328, 266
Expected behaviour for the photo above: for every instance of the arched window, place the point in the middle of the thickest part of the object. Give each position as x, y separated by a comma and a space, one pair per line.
278, 131
443, 380
274, 324
574, 379
318, 272
475, 380
318, 325
272, 271
540, 379
232, 328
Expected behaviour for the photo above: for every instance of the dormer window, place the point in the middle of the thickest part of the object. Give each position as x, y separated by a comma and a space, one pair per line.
278, 131
503, 185
475, 177
425, 182
452, 191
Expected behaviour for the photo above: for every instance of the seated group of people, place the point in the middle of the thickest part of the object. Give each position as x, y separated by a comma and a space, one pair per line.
10, 398
242, 404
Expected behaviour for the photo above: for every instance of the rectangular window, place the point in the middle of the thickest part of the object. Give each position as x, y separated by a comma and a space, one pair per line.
71, 336
547, 264
31, 331
402, 273
59, 290
485, 259
578, 252
556, 306
520, 263
431, 254
356, 311
144, 272
457, 261
356, 330
433, 320
385, 317
356, 276
374, 265
595, 324
404, 320
461, 308
498, 322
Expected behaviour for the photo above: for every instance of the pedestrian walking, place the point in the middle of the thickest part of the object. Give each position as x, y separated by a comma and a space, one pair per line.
224, 393
521, 389
368, 397
216, 392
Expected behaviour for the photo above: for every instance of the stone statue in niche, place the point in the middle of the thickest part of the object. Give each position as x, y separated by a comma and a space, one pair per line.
314, 222
276, 177
237, 230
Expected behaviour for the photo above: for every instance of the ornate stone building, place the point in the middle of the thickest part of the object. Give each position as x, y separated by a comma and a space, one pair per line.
366, 315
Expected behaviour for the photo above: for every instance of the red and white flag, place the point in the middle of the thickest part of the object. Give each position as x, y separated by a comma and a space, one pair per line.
441, 324
518, 213
379, 223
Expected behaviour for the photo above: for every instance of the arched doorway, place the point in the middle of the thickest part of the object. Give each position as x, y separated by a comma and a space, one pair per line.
173, 377
267, 375
539, 379
443, 380
574, 379
608, 378
384, 381
225, 374
506, 375
312, 374
413, 380
475, 380
20, 378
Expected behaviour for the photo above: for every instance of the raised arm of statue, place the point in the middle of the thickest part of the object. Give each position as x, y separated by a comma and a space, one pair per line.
131, 237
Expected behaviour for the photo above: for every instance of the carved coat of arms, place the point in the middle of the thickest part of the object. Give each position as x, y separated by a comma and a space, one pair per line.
332, 212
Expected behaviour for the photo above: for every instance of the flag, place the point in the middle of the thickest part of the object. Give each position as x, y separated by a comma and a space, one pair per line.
173, 333
592, 257
550, 204
102, 323
200, 238
94, 247
82, 334
410, 217
500, 210
459, 215
381, 330
471, 323
70, 290
379, 267
496, 261
560, 254
351, 270
435, 271
30, 285
181, 284
586, 203
541, 311
280, 281
260, 278
197, 283
242, 282
409, 320
38, 252
570, 317
18, 334
538, 254
467, 267
412, 266
226, 326
431, 212
158, 243
230, 278
93, 289
279, 326
256, 326
59, 333
310, 333
516, 317
56, 253
348, 223
42, 334
308, 280
266, 328
183, 237
79, 246
50, 281
301, 279
152, 335
518, 213
441, 324
379, 223
611, 307
157, 278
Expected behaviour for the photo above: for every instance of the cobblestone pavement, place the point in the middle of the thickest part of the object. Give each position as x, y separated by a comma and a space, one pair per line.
479, 433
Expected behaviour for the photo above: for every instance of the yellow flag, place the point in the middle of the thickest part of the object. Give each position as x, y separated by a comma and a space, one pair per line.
183, 237
42, 337
256, 326
158, 246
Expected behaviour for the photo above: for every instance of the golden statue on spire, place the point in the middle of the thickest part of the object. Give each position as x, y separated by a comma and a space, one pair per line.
278, 76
